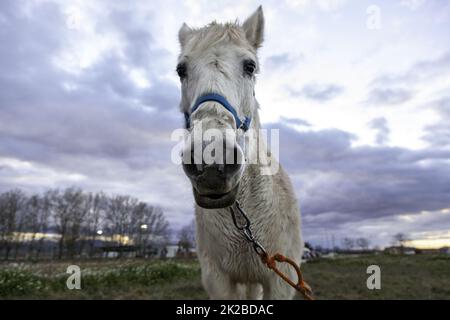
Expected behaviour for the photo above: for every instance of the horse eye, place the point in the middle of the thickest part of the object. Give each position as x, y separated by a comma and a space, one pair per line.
182, 70
249, 67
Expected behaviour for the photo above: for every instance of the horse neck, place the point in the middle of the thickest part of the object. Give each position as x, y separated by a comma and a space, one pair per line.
254, 184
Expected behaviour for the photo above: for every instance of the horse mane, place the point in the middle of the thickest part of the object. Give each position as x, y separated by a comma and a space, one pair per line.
215, 33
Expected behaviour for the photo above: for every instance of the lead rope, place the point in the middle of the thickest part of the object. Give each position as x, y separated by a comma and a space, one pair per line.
271, 261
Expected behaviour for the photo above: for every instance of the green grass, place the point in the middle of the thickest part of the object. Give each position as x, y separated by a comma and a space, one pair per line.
129, 279
402, 277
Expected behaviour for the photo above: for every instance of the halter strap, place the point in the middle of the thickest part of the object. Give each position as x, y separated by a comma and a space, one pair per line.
215, 97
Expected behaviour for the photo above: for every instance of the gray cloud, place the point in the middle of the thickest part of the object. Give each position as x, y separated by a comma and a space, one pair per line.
390, 96
105, 130
104, 115
319, 92
339, 184
420, 71
296, 122
390, 89
282, 60
438, 134
383, 131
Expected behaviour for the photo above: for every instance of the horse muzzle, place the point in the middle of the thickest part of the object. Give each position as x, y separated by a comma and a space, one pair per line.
216, 200
215, 185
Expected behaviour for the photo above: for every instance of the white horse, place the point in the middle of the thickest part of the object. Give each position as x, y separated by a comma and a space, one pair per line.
217, 67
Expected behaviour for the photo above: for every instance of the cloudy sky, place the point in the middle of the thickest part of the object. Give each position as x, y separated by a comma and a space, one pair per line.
360, 91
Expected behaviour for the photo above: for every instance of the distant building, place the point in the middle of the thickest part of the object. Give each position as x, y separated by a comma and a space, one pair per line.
429, 251
119, 251
175, 251
171, 250
357, 251
400, 250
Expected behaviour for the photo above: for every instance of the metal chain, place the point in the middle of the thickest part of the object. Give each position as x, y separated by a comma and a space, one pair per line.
247, 230
270, 261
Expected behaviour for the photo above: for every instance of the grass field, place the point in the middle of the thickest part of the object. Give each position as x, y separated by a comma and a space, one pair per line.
402, 277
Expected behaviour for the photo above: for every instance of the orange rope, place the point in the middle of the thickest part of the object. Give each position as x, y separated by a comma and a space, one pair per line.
300, 286
271, 262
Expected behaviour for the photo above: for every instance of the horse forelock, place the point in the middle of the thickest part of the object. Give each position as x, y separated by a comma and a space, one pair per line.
217, 33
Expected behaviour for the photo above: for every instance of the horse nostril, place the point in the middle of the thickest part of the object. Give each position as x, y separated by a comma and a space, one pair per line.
190, 169
227, 167
191, 166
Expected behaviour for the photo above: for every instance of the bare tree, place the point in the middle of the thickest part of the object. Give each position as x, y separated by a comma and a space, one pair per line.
43, 220
186, 237
139, 225
98, 204
7, 225
79, 224
11, 221
400, 239
69, 213
77, 217
32, 213
158, 226
363, 243
118, 218
151, 226
60, 208
348, 243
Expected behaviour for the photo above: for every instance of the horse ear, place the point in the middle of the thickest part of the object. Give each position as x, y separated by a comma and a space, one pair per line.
183, 34
254, 28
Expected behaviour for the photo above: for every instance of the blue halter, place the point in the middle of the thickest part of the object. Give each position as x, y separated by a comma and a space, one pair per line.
215, 97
